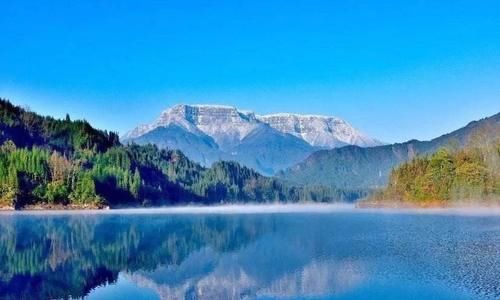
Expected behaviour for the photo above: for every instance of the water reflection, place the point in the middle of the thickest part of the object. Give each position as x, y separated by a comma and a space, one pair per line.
61, 256
249, 256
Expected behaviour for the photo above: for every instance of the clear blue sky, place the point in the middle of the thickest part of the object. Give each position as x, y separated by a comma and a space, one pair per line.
395, 69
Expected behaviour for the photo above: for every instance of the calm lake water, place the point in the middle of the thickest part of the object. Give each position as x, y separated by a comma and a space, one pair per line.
339, 254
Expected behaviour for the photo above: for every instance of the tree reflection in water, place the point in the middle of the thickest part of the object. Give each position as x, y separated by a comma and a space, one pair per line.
52, 257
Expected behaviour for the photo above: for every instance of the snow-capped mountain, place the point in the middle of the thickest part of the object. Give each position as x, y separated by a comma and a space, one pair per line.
319, 131
207, 133
225, 124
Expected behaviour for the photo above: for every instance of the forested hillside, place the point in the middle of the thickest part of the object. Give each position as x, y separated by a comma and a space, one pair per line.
28, 129
470, 175
44, 161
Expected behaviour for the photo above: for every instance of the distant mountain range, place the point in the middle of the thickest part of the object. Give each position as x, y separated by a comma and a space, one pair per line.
353, 167
268, 144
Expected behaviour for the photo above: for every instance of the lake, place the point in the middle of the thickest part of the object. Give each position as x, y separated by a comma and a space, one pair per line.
319, 253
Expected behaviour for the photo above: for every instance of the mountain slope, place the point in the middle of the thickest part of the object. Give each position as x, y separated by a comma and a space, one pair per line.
269, 151
197, 146
266, 143
353, 167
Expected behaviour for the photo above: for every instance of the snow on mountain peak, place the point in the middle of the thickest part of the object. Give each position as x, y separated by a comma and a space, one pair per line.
225, 124
228, 126
295, 115
318, 130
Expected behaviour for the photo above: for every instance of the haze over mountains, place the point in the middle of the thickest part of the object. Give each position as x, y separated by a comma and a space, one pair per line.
270, 143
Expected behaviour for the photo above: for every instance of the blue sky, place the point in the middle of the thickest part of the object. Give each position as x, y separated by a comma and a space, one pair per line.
397, 70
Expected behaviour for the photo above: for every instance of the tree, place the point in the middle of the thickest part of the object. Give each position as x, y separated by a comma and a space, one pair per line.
9, 189
8, 146
136, 184
57, 193
60, 167
85, 192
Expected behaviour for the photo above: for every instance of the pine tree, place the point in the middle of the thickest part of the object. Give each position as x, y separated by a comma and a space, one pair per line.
136, 184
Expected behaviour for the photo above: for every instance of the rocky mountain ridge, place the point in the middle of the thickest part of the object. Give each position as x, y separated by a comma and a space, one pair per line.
228, 124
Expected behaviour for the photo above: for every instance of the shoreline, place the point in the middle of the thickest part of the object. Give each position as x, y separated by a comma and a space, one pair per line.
196, 208
427, 205
51, 207
243, 209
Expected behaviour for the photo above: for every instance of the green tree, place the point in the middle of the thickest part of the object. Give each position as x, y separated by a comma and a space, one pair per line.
85, 191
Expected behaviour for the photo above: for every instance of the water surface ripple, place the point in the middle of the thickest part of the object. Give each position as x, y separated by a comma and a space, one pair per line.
325, 253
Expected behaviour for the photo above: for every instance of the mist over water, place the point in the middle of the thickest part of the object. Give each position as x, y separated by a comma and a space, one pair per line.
303, 208
212, 209
254, 252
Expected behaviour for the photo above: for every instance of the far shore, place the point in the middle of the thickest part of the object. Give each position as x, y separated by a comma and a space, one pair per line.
48, 207
387, 204
190, 208
319, 208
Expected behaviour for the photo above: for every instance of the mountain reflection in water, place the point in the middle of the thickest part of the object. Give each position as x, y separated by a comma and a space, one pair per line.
343, 255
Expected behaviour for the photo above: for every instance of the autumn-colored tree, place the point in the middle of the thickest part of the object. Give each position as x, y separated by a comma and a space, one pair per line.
60, 167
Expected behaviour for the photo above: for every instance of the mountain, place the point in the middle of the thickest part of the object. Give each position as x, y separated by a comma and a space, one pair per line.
268, 150
225, 124
51, 163
353, 167
196, 145
208, 133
